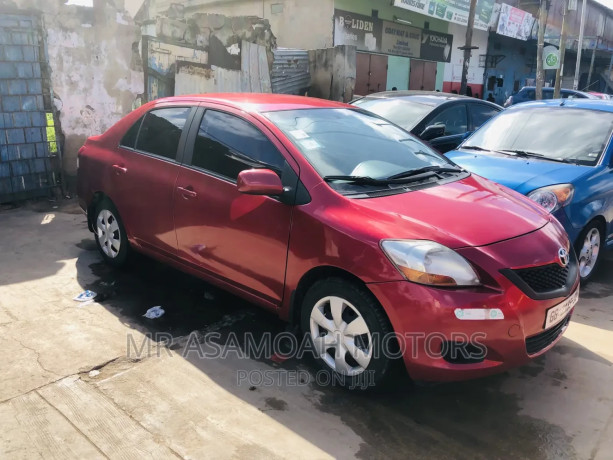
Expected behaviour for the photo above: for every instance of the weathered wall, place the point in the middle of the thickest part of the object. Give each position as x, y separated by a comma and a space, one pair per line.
333, 73
296, 23
96, 73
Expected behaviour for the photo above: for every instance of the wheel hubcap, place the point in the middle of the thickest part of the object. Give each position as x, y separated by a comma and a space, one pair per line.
340, 335
109, 236
589, 253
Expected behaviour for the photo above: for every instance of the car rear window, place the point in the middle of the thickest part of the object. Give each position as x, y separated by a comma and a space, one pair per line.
161, 131
401, 111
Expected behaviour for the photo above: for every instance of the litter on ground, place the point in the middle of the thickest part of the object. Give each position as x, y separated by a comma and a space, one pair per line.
154, 312
85, 296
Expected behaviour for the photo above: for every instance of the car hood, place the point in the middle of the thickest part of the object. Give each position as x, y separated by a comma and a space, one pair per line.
521, 174
469, 212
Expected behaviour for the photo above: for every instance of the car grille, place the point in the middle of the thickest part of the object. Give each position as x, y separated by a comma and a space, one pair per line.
545, 278
541, 341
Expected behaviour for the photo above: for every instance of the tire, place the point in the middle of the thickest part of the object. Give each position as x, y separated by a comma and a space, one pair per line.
114, 248
590, 248
366, 365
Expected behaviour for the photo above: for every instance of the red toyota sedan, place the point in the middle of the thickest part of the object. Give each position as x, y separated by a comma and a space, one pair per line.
342, 223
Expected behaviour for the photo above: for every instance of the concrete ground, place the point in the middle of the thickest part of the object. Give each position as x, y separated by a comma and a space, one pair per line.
69, 387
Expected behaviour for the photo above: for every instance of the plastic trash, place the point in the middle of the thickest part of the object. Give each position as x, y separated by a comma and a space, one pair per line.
94, 373
85, 296
154, 312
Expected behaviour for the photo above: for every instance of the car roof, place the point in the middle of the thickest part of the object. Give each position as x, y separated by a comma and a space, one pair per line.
603, 105
549, 88
432, 98
258, 102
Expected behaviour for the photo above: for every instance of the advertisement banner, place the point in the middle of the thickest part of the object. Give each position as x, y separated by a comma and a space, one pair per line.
400, 40
455, 11
514, 23
435, 46
358, 30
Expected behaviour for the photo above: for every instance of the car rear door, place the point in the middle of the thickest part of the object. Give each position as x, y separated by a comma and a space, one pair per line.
144, 177
232, 237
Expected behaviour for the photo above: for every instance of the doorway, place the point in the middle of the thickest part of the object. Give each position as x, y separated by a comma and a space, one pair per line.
422, 75
371, 73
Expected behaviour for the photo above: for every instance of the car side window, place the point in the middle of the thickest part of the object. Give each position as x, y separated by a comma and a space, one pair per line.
480, 113
530, 94
454, 118
547, 94
227, 144
161, 130
129, 138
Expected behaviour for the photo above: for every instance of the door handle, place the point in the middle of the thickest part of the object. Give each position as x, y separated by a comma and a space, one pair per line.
187, 193
120, 169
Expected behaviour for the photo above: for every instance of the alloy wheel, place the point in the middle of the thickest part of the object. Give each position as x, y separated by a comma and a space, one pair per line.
341, 336
109, 235
588, 257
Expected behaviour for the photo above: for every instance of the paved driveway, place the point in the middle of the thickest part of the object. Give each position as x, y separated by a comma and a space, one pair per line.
98, 380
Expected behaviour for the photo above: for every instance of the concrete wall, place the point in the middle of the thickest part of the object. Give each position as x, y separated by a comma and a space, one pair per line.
333, 73
296, 23
96, 73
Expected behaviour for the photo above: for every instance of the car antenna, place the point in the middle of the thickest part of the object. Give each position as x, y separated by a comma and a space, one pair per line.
562, 103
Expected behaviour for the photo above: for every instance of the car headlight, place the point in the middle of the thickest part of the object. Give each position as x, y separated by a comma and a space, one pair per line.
553, 197
427, 262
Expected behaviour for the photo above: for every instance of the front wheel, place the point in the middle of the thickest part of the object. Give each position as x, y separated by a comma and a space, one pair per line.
589, 250
349, 332
110, 234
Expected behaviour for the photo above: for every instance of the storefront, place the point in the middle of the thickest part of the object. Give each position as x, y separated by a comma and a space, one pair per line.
396, 49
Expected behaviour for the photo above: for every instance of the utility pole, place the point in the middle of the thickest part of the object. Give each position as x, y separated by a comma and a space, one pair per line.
580, 45
560, 69
468, 45
589, 75
540, 72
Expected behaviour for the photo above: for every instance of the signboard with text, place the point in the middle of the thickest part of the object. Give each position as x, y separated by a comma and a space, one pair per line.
455, 11
435, 46
400, 40
363, 32
514, 23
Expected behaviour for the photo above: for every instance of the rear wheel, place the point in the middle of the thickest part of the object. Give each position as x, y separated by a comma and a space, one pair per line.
110, 234
349, 332
589, 248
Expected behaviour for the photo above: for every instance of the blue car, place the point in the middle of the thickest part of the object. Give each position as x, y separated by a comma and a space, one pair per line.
560, 154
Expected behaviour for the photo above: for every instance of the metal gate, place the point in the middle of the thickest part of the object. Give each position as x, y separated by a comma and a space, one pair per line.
29, 154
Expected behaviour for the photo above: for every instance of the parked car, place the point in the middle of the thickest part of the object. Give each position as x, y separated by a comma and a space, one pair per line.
560, 154
340, 222
441, 119
600, 95
528, 93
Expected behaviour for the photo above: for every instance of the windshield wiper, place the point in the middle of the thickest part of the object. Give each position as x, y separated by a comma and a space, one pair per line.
359, 180
426, 169
525, 154
474, 147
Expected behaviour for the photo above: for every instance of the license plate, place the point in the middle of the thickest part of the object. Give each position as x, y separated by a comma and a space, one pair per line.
558, 313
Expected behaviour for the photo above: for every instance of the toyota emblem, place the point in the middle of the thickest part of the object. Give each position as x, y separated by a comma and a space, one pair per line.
564, 257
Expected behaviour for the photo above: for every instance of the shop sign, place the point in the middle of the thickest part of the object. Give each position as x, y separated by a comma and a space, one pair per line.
400, 40
455, 11
435, 46
363, 32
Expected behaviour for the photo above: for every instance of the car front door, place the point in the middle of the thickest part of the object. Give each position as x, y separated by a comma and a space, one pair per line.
144, 175
233, 237
455, 121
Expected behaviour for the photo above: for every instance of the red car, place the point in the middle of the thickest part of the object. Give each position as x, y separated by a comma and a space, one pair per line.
347, 226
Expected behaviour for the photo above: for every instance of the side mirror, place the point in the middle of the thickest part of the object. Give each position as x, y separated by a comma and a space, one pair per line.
432, 132
259, 182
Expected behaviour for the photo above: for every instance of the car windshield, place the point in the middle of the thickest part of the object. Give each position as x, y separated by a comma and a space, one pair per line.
352, 142
554, 133
401, 111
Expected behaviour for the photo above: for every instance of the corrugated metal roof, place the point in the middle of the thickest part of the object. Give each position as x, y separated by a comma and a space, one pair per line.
290, 71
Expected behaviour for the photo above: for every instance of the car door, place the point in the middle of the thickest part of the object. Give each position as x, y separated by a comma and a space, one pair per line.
233, 237
455, 120
144, 175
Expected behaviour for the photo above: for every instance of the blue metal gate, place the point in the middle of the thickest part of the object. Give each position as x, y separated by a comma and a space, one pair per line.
29, 154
